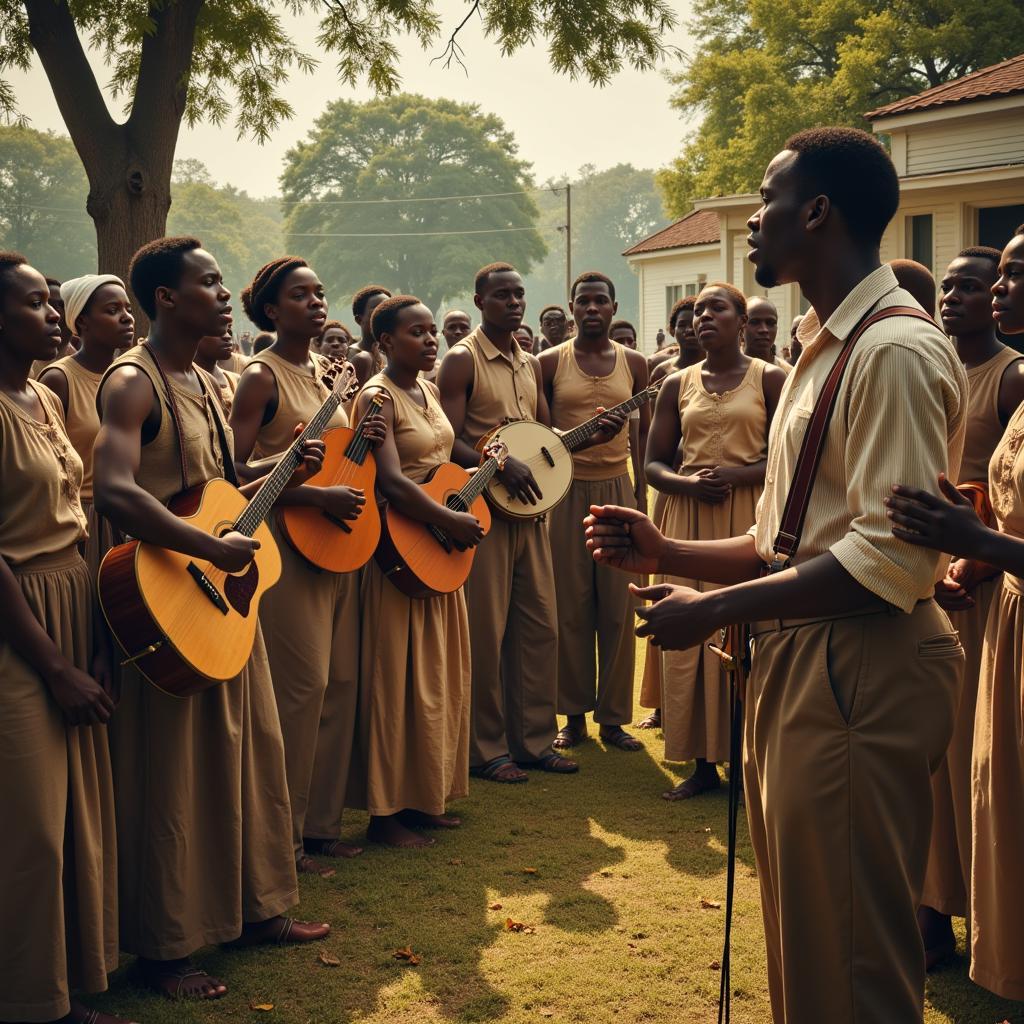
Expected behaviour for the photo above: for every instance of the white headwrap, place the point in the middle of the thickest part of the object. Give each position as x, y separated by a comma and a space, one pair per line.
77, 292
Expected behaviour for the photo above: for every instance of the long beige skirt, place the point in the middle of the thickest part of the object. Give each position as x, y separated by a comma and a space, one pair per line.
204, 825
414, 692
695, 687
58, 859
997, 785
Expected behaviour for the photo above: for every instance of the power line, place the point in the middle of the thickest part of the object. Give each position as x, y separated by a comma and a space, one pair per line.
414, 199
399, 234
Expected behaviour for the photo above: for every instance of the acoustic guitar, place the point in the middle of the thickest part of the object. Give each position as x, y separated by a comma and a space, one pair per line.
184, 623
549, 456
339, 545
420, 558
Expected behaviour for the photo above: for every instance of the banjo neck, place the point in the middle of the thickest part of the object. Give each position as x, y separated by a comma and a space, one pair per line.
578, 436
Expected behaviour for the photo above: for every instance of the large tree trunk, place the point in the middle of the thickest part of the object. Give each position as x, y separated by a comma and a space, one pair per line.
128, 165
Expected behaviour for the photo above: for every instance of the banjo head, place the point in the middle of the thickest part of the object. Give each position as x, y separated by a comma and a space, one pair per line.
549, 460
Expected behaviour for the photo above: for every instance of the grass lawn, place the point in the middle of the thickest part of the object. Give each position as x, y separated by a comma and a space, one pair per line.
609, 876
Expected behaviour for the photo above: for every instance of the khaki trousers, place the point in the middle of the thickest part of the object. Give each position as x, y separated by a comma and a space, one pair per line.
846, 719
510, 596
948, 879
310, 623
594, 606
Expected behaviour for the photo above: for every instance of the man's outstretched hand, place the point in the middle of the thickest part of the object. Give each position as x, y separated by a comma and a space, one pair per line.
623, 538
676, 619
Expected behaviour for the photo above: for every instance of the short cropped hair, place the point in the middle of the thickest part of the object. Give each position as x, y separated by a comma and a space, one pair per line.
550, 308
480, 281
686, 302
8, 261
853, 169
619, 325
266, 287
592, 275
738, 299
158, 264
384, 318
980, 252
527, 328
335, 325
262, 340
363, 296
917, 279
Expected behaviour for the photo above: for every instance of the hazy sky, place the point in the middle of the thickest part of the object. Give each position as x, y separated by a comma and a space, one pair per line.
541, 108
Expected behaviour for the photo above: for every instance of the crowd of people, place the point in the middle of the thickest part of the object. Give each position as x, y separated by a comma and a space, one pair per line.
883, 761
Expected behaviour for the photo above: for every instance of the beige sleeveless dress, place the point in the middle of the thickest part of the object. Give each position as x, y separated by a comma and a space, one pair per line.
83, 424
997, 777
730, 429
202, 803
58, 858
415, 679
311, 626
947, 882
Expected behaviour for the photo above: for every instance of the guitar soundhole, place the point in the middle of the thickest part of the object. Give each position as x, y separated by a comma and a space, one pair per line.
239, 589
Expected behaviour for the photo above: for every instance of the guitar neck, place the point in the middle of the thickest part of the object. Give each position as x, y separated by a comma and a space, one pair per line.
573, 439
359, 447
477, 482
277, 479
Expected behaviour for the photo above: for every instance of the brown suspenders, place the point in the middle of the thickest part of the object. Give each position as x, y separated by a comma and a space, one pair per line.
787, 540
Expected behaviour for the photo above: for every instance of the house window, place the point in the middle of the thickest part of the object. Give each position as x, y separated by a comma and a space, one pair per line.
673, 293
996, 224
919, 239
691, 289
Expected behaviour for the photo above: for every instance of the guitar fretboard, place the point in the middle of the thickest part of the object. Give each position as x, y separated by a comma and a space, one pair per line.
572, 439
475, 485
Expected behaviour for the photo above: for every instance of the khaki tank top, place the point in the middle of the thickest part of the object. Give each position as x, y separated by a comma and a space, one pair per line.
299, 396
504, 386
159, 470
423, 437
225, 393
983, 427
730, 429
82, 418
575, 398
40, 476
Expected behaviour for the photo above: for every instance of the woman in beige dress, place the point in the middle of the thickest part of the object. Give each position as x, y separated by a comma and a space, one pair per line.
310, 620
58, 859
100, 314
950, 524
718, 411
415, 676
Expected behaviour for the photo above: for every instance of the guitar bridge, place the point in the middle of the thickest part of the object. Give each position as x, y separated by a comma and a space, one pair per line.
441, 538
204, 584
547, 455
337, 522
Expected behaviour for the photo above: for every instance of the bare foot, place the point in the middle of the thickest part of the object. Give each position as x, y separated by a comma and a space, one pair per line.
417, 819
652, 721
331, 848
389, 831
305, 865
180, 979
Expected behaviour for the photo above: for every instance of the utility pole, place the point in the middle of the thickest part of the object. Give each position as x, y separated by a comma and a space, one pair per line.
568, 240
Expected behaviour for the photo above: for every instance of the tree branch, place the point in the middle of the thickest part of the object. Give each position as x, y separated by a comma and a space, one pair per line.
54, 38
452, 50
162, 88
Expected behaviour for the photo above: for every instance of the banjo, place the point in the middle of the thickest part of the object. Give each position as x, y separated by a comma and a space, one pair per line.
549, 456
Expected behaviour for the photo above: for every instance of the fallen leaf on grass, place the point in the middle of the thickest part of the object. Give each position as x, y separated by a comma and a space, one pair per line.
455, 861
494, 906
606, 874
545, 1012
529, 871
407, 955
706, 904
329, 959
715, 966
262, 1007
518, 926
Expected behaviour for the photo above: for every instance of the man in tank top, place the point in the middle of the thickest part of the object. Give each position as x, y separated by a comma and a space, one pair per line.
204, 825
761, 329
856, 672
485, 379
995, 375
585, 375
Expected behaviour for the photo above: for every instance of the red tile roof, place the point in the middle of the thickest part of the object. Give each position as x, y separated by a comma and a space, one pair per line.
697, 228
998, 80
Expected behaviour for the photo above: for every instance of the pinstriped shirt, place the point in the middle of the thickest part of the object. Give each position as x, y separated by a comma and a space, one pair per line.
899, 418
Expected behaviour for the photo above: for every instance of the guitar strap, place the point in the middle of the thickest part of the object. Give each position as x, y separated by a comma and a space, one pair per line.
787, 540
